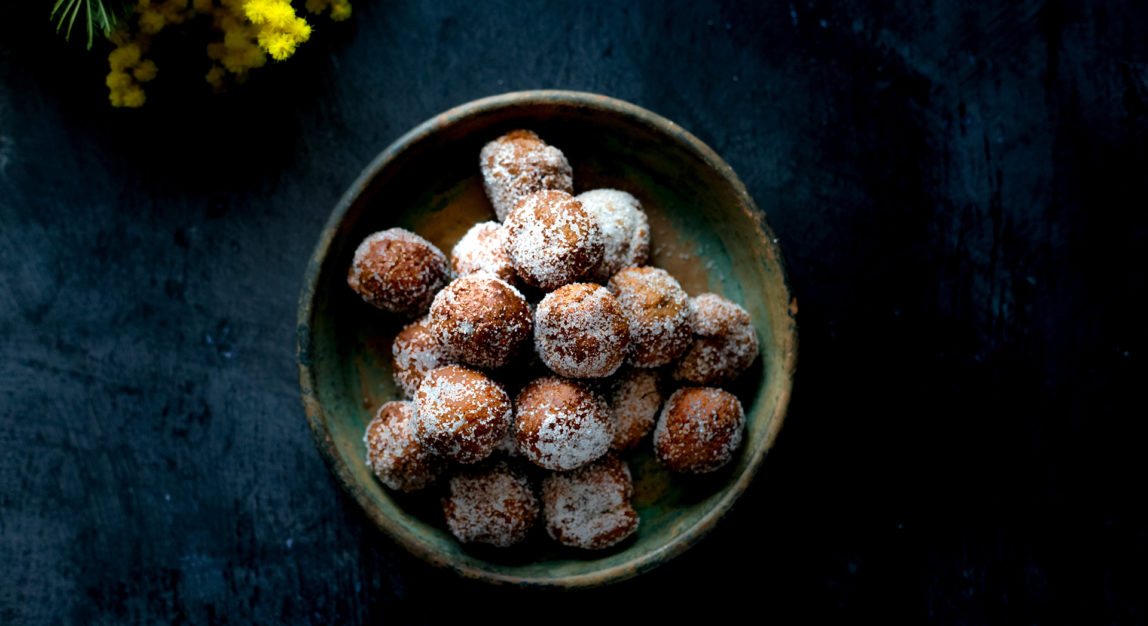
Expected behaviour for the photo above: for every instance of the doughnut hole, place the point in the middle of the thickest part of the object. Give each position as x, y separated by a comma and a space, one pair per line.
518, 164
551, 240
394, 455
397, 271
581, 332
562, 424
657, 309
589, 508
699, 430
460, 413
481, 320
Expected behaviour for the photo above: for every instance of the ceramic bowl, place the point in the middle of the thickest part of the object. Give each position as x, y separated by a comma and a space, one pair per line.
706, 231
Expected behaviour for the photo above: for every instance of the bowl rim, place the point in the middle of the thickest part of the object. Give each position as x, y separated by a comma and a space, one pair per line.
317, 418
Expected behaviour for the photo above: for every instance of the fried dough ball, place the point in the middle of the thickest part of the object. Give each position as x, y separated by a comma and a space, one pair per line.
699, 430
518, 164
725, 342
493, 503
460, 413
589, 507
482, 249
416, 350
625, 230
481, 320
398, 271
635, 400
581, 332
393, 454
562, 424
551, 240
658, 312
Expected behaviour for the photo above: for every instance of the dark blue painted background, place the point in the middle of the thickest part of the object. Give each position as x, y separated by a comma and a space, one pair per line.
960, 191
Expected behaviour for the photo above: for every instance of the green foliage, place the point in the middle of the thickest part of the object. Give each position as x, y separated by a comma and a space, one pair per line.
103, 15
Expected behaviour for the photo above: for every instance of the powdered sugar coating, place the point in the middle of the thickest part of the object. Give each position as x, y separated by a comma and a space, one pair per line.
460, 413
398, 271
625, 230
481, 320
518, 164
483, 249
493, 504
562, 424
581, 332
551, 240
699, 430
635, 400
393, 454
416, 350
657, 308
590, 508
725, 342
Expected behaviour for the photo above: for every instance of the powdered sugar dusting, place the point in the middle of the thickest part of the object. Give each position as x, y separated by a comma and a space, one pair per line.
635, 401
562, 424
518, 164
397, 271
725, 343
551, 240
581, 332
494, 505
460, 413
699, 429
416, 351
657, 310
713, 315
590, 508
481, 320
393, 454
625, 230
482, 249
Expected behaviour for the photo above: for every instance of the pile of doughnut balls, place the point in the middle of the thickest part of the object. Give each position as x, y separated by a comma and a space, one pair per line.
524, 406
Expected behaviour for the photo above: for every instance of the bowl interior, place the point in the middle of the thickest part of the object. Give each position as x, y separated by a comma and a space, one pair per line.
705, 231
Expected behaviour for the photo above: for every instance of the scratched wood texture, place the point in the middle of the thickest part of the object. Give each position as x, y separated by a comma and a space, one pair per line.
960, 190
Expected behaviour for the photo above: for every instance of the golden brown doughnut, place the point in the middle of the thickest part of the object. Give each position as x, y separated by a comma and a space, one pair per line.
492, 503
589, 507
551, 240
481, 320
562, 424
460, 413
398, 271
581, 332
658, 312
625, 230
725, 342
519, 163
482, 249
416, 351
393, 454
699, 430
635, 399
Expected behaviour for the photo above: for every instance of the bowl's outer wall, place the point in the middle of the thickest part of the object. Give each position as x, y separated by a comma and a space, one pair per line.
712, 230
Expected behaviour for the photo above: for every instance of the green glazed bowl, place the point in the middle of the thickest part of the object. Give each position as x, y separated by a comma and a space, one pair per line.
706, 231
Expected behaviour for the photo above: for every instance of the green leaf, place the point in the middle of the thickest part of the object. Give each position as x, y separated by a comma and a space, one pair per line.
96, 15
57, 7
75, 12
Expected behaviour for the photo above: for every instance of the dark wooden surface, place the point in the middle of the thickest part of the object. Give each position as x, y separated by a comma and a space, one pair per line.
960, 191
